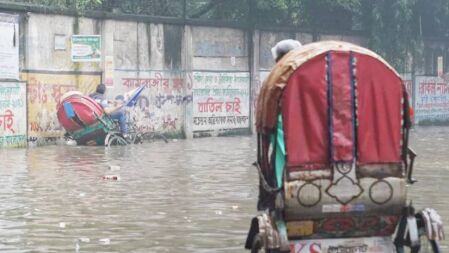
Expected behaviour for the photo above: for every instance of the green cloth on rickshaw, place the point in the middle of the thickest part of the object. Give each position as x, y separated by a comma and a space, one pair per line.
280, 151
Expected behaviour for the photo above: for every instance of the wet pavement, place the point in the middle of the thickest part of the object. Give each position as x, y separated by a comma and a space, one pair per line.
185, 196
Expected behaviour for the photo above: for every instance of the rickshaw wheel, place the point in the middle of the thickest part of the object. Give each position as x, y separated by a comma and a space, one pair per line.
258, 246
116, 140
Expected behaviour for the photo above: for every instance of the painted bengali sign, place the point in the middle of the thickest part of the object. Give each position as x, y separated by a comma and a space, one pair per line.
220, 100
9, 46
432, 99
13, 124
161, 105
45, 92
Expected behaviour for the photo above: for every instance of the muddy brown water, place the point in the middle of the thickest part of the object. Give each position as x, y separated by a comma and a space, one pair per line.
185, 196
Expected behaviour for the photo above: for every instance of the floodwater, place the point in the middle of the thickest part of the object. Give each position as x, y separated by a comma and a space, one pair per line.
185, 196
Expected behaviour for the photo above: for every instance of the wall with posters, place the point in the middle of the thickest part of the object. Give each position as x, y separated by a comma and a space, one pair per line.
220, 101
197, 78
9, 46
13, 119
432, 100
44, 93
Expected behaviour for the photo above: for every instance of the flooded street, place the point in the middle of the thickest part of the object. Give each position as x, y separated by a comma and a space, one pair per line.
185, 196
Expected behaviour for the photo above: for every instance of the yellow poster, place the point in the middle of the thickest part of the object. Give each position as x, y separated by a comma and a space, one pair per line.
44, 94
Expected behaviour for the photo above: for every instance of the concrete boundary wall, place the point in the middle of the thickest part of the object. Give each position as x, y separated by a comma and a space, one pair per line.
200, 80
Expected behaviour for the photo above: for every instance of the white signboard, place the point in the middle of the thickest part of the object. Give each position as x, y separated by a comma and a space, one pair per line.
9, 46
220, 100
86, 48
432, 99
13, 114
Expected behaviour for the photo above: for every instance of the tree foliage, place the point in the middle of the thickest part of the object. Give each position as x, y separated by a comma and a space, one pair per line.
394, 28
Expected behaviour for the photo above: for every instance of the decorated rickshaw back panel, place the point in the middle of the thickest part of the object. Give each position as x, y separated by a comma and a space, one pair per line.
342, 114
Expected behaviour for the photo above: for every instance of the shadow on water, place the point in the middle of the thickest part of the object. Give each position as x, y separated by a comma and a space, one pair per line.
185, 196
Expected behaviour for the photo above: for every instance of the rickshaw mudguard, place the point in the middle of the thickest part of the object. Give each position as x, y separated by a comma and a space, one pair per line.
263, 226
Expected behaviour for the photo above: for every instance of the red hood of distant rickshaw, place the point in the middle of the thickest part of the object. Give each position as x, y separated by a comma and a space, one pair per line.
85, 108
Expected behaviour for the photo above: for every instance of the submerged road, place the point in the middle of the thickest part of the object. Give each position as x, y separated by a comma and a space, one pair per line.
185, 196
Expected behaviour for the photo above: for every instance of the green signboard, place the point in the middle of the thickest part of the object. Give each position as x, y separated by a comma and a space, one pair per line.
86, 48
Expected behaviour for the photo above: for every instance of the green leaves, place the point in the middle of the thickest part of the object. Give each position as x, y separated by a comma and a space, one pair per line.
394, 28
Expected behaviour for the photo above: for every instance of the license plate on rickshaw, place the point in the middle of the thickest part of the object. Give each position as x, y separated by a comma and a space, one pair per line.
351, 245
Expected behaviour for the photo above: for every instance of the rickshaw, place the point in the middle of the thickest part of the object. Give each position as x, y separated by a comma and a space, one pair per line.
86, 122
333, 157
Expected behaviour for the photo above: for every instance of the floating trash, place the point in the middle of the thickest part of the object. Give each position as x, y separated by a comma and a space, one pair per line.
111, 177
105, 241
235, 207
82, 194
84, 239
71, 143
62, 224
114, 167
218, 212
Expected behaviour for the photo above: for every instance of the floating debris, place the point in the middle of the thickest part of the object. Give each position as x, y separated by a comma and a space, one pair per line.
84, 239
105, 241
71, 143
114, 167
218, 212
62, 224
111, 177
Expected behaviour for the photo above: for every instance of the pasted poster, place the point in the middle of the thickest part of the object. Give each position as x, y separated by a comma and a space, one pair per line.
109, 71
86, 48
161, 105
13, 125
432, 99
220, 100
45, 92
9, 46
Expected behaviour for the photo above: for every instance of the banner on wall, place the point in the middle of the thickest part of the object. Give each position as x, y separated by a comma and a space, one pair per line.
9, 46
13, 114
432, 99
220, 100
86, 48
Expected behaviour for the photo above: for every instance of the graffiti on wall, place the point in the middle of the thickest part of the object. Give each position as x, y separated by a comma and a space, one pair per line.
432, 99
220, 100
13, 127
160, 107
45, 92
